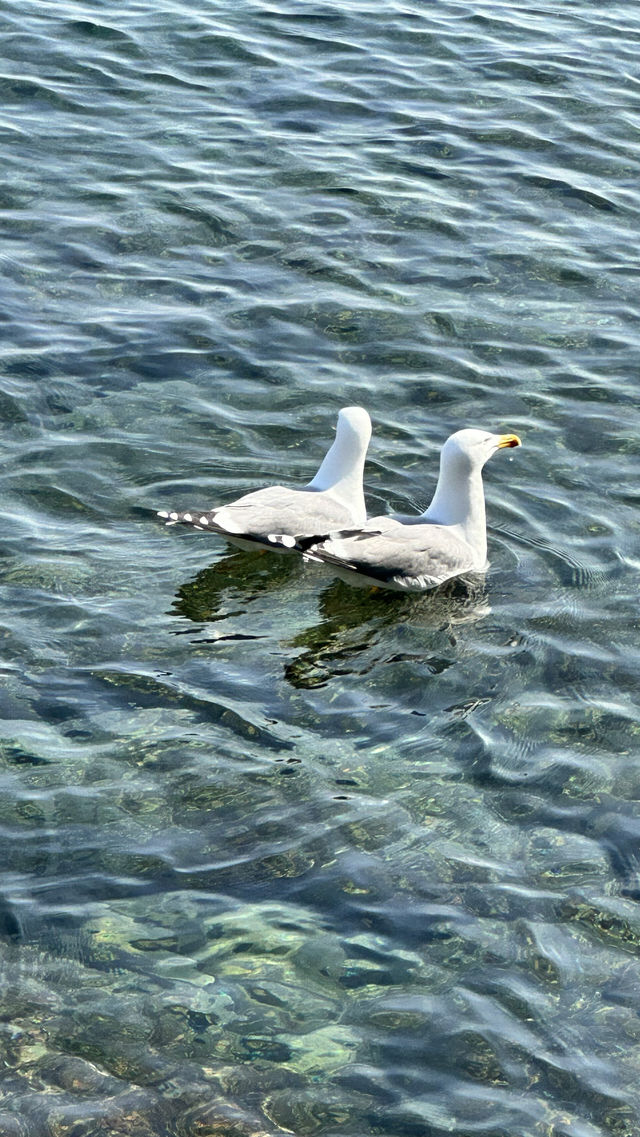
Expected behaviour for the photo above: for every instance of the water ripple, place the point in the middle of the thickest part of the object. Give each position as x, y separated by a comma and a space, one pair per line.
281, 855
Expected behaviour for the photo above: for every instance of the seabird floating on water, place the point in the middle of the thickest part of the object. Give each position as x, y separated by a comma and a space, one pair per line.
447, 540
278, 517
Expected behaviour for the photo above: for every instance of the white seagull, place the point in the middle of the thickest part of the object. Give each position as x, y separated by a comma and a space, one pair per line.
278, 517
447, 540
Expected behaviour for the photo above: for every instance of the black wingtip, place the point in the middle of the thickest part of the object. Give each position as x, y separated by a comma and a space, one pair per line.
304, 543
195, 518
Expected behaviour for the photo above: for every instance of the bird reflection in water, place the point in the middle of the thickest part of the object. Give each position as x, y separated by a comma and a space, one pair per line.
224, 589
358, 629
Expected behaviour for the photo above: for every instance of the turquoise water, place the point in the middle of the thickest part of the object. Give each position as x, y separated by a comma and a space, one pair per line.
280, 855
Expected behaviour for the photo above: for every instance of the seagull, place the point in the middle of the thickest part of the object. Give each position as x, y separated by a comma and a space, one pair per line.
447, 540
278, 517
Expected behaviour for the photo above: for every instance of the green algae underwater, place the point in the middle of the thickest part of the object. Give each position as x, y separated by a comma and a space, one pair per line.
278, 855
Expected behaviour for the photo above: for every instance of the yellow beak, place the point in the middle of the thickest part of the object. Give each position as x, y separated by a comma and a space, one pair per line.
508, 440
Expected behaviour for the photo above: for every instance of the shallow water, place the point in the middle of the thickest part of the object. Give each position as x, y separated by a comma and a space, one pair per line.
280, 855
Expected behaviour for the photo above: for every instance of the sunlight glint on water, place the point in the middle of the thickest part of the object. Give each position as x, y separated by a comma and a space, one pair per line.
280, 855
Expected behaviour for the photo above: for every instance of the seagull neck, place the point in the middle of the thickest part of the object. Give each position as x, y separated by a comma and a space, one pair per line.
341, 473
461, 503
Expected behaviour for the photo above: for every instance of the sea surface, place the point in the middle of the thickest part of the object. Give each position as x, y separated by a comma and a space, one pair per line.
278, 855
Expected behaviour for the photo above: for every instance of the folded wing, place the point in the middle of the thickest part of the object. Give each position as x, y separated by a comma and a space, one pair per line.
276, 517
405, 558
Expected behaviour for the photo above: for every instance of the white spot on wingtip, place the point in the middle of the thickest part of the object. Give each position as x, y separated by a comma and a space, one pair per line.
282, 539
204, 521
187, 517
173, 516
162, 513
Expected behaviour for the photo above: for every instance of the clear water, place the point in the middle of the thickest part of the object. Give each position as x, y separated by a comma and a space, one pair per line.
278, 855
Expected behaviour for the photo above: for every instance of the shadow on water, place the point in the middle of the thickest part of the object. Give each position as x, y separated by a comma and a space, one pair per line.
359, 629
355, 634
223, 590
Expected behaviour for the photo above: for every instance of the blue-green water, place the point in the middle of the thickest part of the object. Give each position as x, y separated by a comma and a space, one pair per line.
278, 855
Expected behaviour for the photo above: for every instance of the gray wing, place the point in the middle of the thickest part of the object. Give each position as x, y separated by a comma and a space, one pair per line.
413, 557
275, 516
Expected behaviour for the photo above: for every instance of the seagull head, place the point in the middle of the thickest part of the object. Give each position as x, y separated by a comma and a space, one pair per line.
459, 496
354, 422
468, 450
